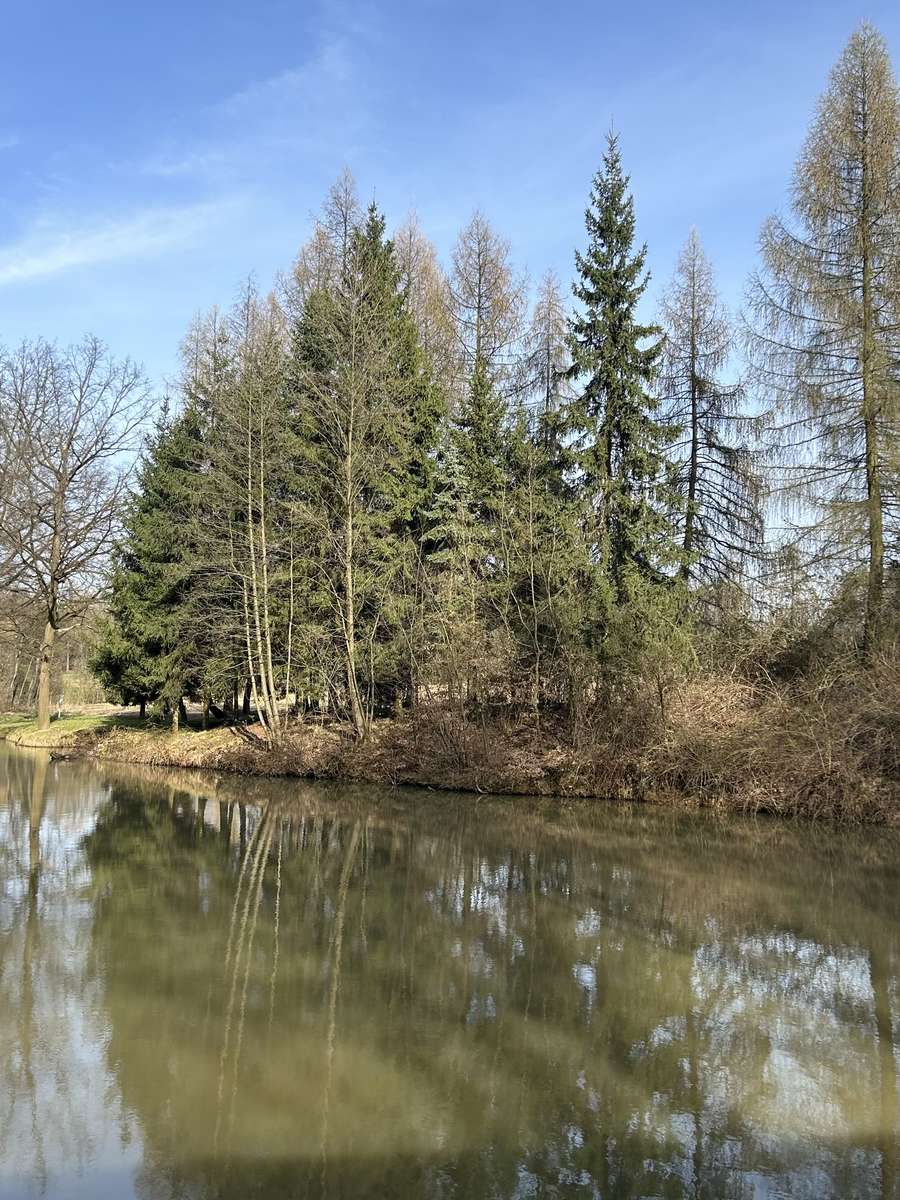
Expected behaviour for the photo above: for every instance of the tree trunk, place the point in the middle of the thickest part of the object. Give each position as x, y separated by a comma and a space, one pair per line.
45, 663
690, 510
14, 682
356, 709
143, 707
874, 513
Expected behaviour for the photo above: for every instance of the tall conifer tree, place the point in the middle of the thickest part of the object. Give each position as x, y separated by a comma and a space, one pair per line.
617, 443
146, 652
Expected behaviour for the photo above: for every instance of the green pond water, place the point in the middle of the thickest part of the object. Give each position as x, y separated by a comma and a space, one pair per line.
232, 988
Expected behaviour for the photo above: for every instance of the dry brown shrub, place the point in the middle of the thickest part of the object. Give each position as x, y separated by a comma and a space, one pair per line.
825, 747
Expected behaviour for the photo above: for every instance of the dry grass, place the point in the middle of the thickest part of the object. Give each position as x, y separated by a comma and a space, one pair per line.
827, 747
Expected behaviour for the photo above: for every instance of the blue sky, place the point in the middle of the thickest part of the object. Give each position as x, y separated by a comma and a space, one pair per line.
152, 156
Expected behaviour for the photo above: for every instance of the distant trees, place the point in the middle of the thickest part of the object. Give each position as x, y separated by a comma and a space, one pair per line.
68, 420
826, 340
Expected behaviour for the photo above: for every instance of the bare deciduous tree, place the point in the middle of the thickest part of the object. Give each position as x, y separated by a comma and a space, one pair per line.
487, 301
427, 290
242, 538
826, 341
323, 256
69, 422
716, 473
544, 383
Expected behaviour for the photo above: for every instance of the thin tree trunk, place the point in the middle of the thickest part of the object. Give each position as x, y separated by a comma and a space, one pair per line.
874, 512
269, 707
45, 657
45, 664
264, 556
356, 708
14, 682
251, 671
290, 627
690, 512
349, 620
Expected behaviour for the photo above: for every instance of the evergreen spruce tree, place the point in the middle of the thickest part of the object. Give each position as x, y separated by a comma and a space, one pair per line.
147, 653
122, 664
215, 622
617, 441
411, 476
480, 440
612, 441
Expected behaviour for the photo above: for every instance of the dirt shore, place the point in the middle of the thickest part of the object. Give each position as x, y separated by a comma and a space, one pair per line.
725, 771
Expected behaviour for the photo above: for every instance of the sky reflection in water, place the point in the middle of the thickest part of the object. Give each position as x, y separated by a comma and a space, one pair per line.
348, 993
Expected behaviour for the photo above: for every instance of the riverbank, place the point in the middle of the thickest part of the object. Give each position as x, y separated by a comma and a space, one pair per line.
716, 745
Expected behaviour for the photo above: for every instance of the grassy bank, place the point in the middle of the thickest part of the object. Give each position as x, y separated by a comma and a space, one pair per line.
70, 732
831, 754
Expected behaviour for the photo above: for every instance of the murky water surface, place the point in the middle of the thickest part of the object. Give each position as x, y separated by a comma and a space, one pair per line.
220, 988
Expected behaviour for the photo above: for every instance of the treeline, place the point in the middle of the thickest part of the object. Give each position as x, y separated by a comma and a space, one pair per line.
388, 486
384, 486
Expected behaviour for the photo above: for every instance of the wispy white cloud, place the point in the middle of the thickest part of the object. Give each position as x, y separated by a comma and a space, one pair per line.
50, 248
9, 141
187, 163
308, 109
313, 82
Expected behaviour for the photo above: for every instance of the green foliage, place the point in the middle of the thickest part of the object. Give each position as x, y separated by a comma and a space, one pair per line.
612, 446
616, 445
545, 566
335, 519
367, 415
147, 651
126, 672
479, 435
315, 520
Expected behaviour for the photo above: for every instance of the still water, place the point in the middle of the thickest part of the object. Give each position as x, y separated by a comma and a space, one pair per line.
222, 988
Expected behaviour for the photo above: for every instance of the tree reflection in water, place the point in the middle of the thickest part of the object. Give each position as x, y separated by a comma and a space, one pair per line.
349, 993
60, 1115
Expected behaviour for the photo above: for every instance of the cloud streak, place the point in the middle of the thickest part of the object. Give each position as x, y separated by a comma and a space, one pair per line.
48, 250
301, 113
